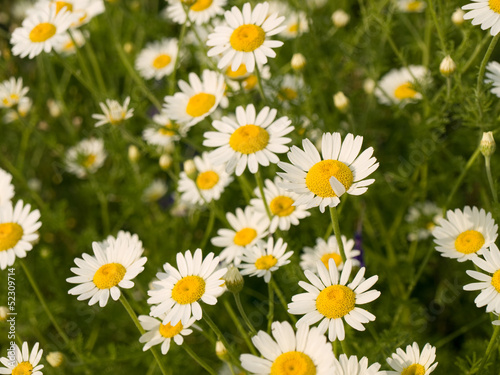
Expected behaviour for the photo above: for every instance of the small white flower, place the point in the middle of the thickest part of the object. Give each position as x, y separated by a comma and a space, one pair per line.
199, 13
85, 157
159, 333
155, 191
25, 362
113, 112
413, 361
399, 86
12, 92
157, 59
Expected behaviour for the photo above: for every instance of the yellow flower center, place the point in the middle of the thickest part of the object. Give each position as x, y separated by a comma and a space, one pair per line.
10, 234
335, 301
265, 262
109, 275
189, 289
207, 180
244, 236
200, 104
293, 28
238, 73
318, 177
10, 100
168, 331
405, 91
161, 61
42, 32
414, 369
249, 139
247, 38
326, 258
287, 93
495, 280
201, 5
62, 4
469, 242
414, 6
89, 161
494, 5
293, 363
24, 368
282, 206
250, 82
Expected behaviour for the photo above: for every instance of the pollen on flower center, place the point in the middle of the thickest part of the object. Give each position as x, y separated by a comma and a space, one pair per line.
415, 369
405, 91
335, 301
200, 104
207, 180
336, 258
201, 5
282, 206
62, 4
168, 331
244, 236
161, 61
469, 242
318, 177
189, 289
249, 139
293, 363
109, 275
23, 368
10, 234
247, 38
42, 32
495, 280
494, 5
265, 262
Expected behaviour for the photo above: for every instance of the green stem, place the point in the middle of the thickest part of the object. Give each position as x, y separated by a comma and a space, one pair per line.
336, 229
28, 129
282, 299
95, 67
243, 314
201, 362
487, 163
260, 184
219, 334
474, 55
103, 203
421, 269
176, 63
209, 227
437, 24
486, 58
490, 347
270, 314
239, 326
259, 81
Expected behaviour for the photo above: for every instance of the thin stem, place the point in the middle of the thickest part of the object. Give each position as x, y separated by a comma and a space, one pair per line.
28, 129
260, 184
259, 81
282, 299
421, 269
437, 24
95, 67
176, 63
243, 314
200, 361
103, 203
489, 349
336, 229
209, 227
486, 58
487, 163
220, 336
270, 314
239, 326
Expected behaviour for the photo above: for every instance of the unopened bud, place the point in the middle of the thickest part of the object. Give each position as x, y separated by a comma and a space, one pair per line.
190, 168
165, 161
54, 108
487, 144
458, 17
448, 66
233, 279
221, 351
4, 311
298, 61
340, 18
55, 359
340, 101
369, 86
133, 153
128, 47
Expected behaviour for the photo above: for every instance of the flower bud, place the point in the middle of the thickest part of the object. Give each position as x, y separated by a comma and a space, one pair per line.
448, 66
487, 144
369, 86
55, 359
133, 153
128, 47
458, 17
190, 168
233, 279
340, 101
340, 18
3, 313
221, 351
54, 108
165, 161
298, 61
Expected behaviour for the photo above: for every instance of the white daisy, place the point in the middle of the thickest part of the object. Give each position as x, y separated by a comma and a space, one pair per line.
412, 361
22, 362
114, 113
41, 32
199, 13
464, 235
281, 206
489, 285
351, 366
209, 183
67, 46
156, 190
329, 299
485, 13
422, 218
289, 352
291, 89
12, 92
82, 10
321, 182
177, 293
159, 333
157, 59
23, 108
242, 79
411, 6
247, 228
400, 86
85, 157
263, 258
165, 132
326, 250
250, 140
18, 226
197, 100
295, 21
244, 38
116, 262
493, 77
6, 187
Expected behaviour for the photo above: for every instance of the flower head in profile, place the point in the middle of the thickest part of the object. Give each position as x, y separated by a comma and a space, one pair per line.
85, 157
413, 361
12, 92
485, 13
422, 218
157, 59
6, 187
353, 366
24, 362
164, 132
113, 112
411, 6
493, 77
400, 86
157, 189
82, 10
199, 13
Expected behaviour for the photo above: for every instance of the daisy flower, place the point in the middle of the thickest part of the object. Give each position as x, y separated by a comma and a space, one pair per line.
413, 361
464, 235
422, 218
155, 191
6, 187
485, 13
165, 132
115, 263
86, 157
247, 227
306, 350
291, 89
82, 10
176, 295
329, 299
244, 38
67, 46
493, 77
411, 6
18, 226
326, 250
199, 13
157, 59
114, 113
198, 98
281, 206
321, 182
209, 183
159, 333
264, 258
41, 32
242, 79
399, 86
351, 366
23, 362
23, 107
249, 140
12, 92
